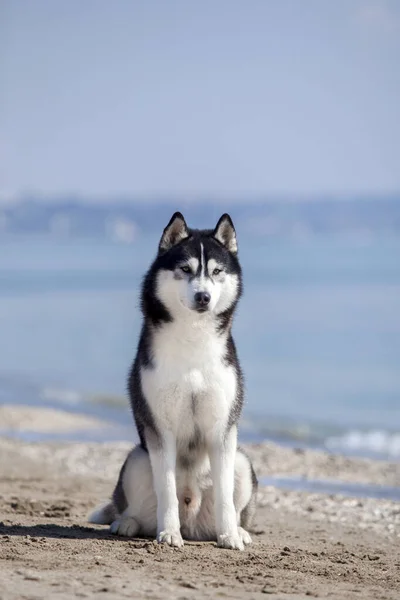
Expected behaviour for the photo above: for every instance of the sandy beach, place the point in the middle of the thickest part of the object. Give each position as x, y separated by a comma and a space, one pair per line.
304, 544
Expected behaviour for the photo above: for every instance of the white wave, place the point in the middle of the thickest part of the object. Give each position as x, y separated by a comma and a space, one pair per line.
376, 442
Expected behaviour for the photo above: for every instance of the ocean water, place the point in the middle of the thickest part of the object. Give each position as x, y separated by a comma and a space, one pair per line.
318, 333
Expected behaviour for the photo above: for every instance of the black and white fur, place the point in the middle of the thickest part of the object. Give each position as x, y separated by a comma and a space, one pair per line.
187, 477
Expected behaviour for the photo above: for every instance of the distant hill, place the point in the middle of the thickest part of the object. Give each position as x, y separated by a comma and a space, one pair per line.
125, 220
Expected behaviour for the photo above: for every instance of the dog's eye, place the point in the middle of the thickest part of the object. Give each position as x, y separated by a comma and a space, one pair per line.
217, 271
186, 269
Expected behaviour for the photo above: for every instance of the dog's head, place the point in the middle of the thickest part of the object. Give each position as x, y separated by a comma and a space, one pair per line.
198, 270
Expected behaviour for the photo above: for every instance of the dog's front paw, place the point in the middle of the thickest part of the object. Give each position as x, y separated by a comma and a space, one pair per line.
172, 538
245, 536
126, 526
232, 541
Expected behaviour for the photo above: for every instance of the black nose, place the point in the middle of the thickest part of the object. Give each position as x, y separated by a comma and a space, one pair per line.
202, 298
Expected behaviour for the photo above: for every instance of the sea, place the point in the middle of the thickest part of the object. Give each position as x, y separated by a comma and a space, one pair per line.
317, 331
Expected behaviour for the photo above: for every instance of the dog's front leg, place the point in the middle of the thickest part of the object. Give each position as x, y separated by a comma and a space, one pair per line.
163, 460
222, 459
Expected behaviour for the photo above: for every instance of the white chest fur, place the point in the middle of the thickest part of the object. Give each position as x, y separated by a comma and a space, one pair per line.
189, 386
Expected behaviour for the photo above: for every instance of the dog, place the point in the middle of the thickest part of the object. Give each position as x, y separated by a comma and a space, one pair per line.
187, 478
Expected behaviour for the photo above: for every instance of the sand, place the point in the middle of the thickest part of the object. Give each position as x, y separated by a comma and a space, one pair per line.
44, 420
305, 545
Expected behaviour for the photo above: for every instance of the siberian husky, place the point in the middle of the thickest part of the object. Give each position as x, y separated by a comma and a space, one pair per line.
187, 478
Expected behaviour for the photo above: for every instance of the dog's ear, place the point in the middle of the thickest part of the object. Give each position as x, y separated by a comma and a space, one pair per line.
225, 233
175, 232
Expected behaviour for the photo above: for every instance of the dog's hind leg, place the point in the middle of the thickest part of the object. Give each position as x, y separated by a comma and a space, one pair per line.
245, 495
107, 513
249, 511
104, 514
135, 495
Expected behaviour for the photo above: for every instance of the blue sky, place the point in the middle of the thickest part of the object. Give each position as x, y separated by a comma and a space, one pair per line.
199, 97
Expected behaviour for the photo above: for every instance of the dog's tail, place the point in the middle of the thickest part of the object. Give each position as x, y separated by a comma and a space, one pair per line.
104, 514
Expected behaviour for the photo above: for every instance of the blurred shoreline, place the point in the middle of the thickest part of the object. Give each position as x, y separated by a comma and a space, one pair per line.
112, 415
74, 445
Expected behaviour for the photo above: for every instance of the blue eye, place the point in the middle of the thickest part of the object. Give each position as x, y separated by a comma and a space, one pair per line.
186, 269
217, 271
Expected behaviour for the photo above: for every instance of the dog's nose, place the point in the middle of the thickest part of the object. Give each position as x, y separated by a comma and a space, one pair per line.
202, 298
